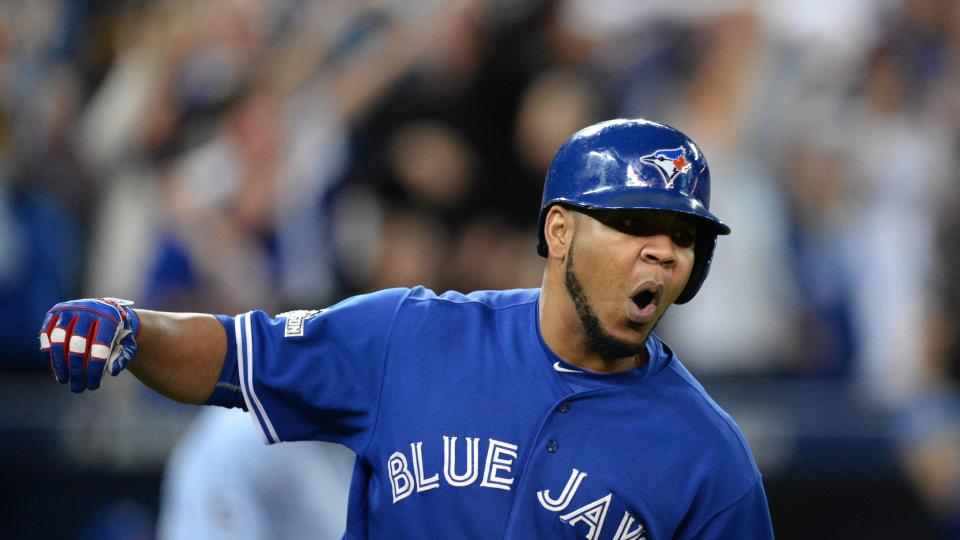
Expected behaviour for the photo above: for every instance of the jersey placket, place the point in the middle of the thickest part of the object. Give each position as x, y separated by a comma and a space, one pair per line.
545, 445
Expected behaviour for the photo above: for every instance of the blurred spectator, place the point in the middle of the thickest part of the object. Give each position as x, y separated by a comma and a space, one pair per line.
30, 279
930, 424
551, 107
44, 201
434, 167
906, 199
745, 315
815, 170
901, 171
412, 250
222, 482
245, 226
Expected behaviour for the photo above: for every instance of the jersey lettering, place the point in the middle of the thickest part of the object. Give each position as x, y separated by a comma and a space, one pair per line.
569, 490
423, 484
500, 456
401, 481
624, 532
593, 514
469, 476
410, 475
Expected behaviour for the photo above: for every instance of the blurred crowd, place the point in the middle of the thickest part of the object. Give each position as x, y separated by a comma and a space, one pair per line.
227, 155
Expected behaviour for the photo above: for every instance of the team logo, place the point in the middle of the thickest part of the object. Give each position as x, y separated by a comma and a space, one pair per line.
670, 163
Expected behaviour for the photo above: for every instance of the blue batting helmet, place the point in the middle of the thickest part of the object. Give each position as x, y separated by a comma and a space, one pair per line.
635, 165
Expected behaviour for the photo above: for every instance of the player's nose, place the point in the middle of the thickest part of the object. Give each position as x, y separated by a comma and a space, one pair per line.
660, 250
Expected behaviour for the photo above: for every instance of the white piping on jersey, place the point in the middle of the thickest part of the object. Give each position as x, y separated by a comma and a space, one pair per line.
242, 370
249, 395
253, 393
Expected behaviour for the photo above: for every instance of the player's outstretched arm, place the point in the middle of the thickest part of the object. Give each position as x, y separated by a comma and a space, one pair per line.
179, 355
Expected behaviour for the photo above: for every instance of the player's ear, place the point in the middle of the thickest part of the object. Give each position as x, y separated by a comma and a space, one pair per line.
558, 230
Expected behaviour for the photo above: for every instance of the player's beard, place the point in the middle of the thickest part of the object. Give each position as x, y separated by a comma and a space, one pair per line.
598, 339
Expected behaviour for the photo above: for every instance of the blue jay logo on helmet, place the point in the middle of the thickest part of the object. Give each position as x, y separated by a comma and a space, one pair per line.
669, 163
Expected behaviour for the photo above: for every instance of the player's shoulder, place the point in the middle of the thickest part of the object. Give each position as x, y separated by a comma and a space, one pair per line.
718, 431
386, 300
389, 303
493, 300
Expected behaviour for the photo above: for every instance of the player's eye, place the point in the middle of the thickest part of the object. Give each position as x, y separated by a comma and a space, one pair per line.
683, 238
631, 224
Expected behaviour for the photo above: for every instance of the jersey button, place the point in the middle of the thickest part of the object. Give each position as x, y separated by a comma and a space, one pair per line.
552, 446
564, 407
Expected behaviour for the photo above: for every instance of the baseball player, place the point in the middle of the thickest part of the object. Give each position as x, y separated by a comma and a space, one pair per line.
539, 413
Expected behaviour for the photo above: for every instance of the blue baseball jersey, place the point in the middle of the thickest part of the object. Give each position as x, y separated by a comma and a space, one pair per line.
466, 424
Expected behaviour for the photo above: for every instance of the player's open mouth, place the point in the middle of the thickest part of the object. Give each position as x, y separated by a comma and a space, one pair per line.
645, 301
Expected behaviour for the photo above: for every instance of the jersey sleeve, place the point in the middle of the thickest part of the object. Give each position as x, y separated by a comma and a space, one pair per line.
748, 517
316, 375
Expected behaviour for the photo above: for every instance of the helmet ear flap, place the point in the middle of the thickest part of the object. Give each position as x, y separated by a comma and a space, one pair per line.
702, 256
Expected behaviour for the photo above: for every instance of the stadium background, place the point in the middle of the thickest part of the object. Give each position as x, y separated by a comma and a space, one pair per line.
231, 154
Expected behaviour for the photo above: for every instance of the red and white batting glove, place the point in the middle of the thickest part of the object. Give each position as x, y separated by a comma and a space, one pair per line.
84, 337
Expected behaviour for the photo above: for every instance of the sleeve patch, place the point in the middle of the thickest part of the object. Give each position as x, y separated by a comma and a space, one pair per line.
296, 320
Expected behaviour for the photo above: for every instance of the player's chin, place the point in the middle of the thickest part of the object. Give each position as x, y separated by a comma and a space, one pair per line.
633, 332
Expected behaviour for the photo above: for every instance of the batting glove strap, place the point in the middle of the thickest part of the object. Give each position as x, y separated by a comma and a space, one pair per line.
86, 337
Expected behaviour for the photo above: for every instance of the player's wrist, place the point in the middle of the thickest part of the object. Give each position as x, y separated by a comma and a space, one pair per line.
129, 316
134, 321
